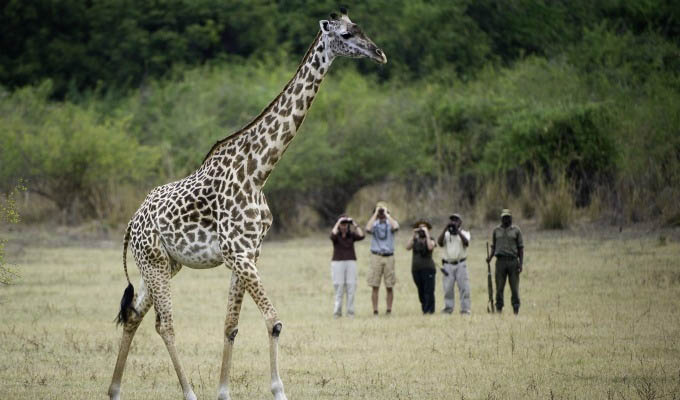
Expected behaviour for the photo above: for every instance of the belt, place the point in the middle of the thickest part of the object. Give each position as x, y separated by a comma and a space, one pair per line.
454, 262
382, 254
505, 256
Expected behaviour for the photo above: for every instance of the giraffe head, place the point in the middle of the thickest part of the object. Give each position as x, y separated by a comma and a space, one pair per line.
345, 38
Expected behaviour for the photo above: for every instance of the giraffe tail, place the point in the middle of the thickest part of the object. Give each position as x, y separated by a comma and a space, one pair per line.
129, 294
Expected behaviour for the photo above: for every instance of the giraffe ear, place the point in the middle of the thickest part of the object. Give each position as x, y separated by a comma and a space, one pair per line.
325, 25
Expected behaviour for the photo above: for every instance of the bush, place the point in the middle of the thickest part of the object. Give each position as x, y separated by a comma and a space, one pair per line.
68, 153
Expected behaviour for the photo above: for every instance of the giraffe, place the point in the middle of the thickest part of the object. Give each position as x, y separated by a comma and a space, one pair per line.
219, 215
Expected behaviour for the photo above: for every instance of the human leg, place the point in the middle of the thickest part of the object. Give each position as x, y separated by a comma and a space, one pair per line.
428, 291
501, 275
418, 280
390, 280
448, 281
463, 280
513, 274
351, 284
338, 278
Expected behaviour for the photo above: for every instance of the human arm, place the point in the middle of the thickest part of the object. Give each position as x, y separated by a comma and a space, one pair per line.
520, 250
440, 240
430, 242
371, 221
493, 246
358, 232
393, 222
464, 238
334, 231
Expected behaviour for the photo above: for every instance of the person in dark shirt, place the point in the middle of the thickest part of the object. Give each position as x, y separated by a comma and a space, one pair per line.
422, 264
344, 262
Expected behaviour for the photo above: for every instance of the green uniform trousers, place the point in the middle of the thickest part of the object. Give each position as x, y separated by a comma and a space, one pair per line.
507, 268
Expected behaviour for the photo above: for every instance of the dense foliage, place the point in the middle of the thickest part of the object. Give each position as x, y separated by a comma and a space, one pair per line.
108, 93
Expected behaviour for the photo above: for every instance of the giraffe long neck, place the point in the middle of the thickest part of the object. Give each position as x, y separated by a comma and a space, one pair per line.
254, 151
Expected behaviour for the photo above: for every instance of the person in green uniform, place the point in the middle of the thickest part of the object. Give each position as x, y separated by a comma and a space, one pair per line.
508, 247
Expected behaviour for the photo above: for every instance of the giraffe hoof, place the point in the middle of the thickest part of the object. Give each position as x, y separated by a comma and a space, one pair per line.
276, 330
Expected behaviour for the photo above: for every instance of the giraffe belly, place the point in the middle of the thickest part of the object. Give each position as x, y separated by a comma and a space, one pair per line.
197, 256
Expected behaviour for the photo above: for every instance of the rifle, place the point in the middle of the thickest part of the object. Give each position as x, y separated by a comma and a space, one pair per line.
489, 307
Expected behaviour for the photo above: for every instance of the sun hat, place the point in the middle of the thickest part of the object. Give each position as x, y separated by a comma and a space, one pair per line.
422, 222
506, 213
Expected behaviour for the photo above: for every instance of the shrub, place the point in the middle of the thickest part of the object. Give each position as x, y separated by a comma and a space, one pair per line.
68, 153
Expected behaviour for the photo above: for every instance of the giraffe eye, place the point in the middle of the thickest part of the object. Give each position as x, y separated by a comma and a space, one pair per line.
346, 35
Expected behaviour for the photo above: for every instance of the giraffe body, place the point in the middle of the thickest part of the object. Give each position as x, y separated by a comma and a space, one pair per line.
219, 215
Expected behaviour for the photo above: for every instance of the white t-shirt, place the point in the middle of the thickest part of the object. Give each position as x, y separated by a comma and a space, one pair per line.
453, 246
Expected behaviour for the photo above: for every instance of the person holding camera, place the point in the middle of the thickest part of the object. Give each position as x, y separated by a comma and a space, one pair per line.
382, 227
507, 246
455, 242
344, 262
422, 264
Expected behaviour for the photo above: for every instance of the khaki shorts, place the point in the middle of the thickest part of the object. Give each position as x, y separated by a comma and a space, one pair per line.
381, 266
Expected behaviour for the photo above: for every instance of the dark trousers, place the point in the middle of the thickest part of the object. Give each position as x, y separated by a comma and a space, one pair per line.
424, 280
507, 268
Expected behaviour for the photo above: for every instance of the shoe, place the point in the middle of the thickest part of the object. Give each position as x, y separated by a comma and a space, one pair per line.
465, 312
388, 312
447, 310
375, 312
515, 311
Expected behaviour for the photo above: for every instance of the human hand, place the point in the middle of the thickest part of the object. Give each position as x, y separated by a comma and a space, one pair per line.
519, 268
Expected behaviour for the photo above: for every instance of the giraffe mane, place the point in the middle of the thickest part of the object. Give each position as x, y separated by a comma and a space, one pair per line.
266, 109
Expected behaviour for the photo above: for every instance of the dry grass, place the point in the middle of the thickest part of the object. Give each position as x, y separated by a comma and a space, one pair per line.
599, 320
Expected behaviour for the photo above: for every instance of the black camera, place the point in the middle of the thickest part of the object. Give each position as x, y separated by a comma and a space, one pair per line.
453, 229
421, 233
381, 211
346, 221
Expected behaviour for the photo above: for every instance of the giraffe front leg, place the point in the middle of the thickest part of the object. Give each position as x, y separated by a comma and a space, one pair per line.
236, 292
246, 270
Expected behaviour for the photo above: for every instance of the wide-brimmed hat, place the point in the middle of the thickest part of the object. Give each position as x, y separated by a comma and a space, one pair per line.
422, 222
455, 215
506, 213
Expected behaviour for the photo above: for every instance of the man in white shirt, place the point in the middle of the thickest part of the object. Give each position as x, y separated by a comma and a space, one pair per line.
454, 242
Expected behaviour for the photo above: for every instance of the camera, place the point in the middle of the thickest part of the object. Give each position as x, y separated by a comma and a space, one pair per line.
347, 221
381, 211
452, 229
421, 233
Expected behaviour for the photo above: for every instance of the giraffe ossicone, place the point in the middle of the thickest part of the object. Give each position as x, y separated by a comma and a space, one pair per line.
219, 215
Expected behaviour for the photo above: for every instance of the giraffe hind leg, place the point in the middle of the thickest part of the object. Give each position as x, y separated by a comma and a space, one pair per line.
136, 307
162, 302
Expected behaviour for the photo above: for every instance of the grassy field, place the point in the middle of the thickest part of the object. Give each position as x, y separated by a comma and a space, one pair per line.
600, 320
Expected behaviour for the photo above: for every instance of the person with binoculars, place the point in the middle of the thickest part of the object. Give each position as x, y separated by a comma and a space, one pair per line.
455, 242
344, 262
382, 227
422, 264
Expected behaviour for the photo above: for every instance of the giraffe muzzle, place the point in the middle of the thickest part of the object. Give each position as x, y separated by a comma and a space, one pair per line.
383, 57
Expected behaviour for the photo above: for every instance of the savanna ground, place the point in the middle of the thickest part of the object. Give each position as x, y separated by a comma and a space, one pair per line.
599, 320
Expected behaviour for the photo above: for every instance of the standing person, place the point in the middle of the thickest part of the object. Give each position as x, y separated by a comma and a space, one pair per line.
422, 264
455, 242
508, 247
344, 262
382, 227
